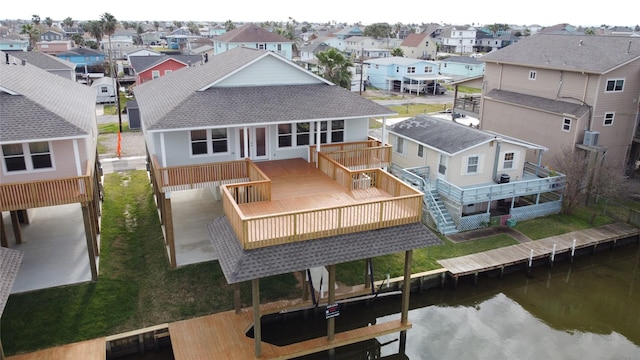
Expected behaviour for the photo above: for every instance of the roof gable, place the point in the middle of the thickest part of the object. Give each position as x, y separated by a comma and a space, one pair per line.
251, 33
414, 40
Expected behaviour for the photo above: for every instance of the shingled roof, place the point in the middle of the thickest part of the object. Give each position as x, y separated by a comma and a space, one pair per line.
251, 33
190, 98
240, 265
142, 63
39, 105
44, 61
10, 261
444, 135
588, 53
537, 102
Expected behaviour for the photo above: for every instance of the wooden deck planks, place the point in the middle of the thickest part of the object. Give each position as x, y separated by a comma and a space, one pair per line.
95, 349
497, 258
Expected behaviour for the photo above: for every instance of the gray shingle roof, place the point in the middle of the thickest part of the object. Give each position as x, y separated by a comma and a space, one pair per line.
142, 63
10, 261
251, 33
175, 102
241, 265
44, 61
550, 105
594, 54
36, 104
444, 135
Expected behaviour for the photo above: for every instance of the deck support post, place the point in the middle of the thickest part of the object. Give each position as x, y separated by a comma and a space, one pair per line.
168, 229
236, 297
367, 273
257, 328
305, 285
475, 278
88, 232
406, 292
443, 279
4, 242
331, 323
573, 249
553, 255
501, 272
16, 226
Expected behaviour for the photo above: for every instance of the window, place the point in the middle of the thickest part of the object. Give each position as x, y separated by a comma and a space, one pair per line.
168, 72
566, 124
428, 69
103, 89
303, 131
442, 167
472, 164
532, 75
411, 70
285, 135
210, 141
508, 160
337, 131
420, 151
155, 74
608, 118
279, 47
426, 44
615, 85
399, 145
21, 157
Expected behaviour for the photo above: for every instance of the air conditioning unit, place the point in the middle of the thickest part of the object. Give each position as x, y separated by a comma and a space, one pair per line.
590, 138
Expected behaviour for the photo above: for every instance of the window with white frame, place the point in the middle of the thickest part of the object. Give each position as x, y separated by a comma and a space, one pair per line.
399, 145
615, 85
334, 129
168, 72
28, 156
420, 151
508, 160
285, 135
442, 166
303, 134
209, 141
472, 164
566, 124
532, 75
411, 70
608, 118
103, 89
428, 69
290, 135
155, 74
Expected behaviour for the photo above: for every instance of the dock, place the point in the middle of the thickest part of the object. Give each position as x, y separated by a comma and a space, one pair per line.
528, 252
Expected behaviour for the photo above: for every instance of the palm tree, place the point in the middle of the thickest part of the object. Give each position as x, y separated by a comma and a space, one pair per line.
397, 52
68, 22
94, 28
33, 33
35, 19
48, 21
77, 39
335, 67
229, 25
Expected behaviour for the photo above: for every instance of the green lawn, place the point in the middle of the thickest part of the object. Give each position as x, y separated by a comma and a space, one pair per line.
136, 287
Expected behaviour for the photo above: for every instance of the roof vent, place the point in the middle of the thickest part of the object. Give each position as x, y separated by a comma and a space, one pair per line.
580, 43
24, 62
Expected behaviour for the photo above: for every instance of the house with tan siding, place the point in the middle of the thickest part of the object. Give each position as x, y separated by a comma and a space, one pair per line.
470, 176
571, 91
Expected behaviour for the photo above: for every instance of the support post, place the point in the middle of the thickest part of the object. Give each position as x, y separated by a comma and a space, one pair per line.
4, 242
236, 297
530, 262
257, 328
406, 287
553, 255
168, 230
15, 222
331, 323
573, 249
305, 286
88, 232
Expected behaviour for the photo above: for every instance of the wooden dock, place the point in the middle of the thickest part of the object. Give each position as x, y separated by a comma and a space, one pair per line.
95, 349
521, 253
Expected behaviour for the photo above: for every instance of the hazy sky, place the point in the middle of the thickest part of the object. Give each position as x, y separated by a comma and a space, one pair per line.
540, 12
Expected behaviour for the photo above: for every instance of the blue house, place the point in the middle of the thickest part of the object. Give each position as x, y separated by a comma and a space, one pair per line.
402, 74
461, 67
254, 37
83, 56
9, 44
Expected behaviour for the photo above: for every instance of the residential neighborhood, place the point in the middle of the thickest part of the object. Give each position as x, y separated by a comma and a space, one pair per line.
301, 151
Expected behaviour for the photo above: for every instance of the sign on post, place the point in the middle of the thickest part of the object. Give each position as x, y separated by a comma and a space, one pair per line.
332, 311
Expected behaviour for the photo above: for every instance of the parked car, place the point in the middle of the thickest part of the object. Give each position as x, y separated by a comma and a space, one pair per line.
439, 89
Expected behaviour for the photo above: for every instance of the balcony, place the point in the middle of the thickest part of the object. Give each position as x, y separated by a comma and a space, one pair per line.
356, 155
469, 105
33, 194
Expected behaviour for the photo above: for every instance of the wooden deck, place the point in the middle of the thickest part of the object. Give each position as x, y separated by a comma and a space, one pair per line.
510, 255
87, 350
222, 336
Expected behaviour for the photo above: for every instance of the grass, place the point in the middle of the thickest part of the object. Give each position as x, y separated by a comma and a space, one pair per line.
410, 110
136, 286
582, 218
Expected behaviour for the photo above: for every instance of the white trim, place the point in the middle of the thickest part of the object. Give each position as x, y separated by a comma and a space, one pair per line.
613, 116
564, 123
26, 154
76, 155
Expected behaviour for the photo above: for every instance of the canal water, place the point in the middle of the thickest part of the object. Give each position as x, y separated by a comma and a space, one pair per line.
585, 309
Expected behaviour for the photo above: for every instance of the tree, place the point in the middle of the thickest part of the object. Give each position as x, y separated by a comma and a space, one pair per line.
590, 31
126, 25
31, 31
378, 30
587, 174
94, 27
156, 25
193, 28
48, 21
229, 25
35, 19
177, 23
335, 67
78, 39
397, 52
108, 23
68, 22
289, 32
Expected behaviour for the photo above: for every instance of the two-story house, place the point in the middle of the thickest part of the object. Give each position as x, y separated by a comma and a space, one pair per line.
55, 47
46, 62
147, 68
470, 176
579, 92
52, 35
459, 39
254, 37
83, 57
402, 74
461, 67
48, 158
419, 46
288, 155
367, 47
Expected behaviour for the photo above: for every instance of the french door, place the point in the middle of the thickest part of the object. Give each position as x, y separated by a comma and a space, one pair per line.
253, 143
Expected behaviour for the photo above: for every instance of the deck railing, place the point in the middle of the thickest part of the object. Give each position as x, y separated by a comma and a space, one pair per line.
19, 196
267, 230
350, 146
187, 177
467, 104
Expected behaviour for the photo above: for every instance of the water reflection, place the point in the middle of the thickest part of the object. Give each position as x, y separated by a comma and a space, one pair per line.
586, 310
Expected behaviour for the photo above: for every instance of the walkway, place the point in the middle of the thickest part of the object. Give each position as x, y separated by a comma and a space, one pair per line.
521, 253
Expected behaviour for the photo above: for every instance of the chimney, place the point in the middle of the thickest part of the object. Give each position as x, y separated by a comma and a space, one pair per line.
24, 62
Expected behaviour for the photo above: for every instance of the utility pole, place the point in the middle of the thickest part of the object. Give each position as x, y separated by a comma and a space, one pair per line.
361, 69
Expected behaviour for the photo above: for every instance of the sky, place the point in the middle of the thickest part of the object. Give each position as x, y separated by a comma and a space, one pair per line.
458, 12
